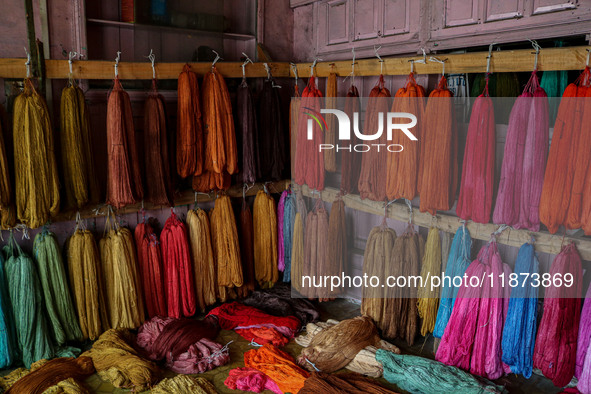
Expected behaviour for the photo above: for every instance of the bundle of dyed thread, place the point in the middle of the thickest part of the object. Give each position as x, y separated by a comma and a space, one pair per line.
80, 182
564, 174
457, 263
472, 341
364, 361
186, 345
249, 379
86, 279
289, 212
400, 316
189, 133
519, 332
334, 347
203, 258
117, 362
36, 177
524, 160
297, 247
184, 384
123, 292
247, 252
316, 251
403, 167
8, 336
294, 113
178, 268
151, 269
265, 240
7, 208
58, 303
309, 161
320, 382
421, 375
34, 341
330, 135
374, 167
583, 361
478, 168
246, 130
124, 180
377, 255
428, 298
158, 174
278, 366
351, 161
438, 164
337, 242
226, 247
280, 247
278, 301
51, 373
271, 146
254, 324
556, 341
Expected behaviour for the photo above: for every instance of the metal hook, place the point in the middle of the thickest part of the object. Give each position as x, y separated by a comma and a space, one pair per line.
268, 70
117, 63
152, 59
588, 53
375, 50
244, 64
490, 48
313, 65
352, 73
434, 59
409, 205
28, 63
71, 55
217, 58
424, 59
294, 69
537, 47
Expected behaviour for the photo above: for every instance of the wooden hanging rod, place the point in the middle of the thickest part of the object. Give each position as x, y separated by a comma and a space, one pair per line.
550, 59
545, 242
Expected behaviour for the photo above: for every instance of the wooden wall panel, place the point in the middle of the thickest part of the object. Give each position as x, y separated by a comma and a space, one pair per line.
461, 12
365, 19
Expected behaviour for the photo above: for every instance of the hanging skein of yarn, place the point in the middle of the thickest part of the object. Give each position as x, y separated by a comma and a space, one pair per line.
438, 163
203, 258
309, 161
473, 340
334, 347
178, 268
500, 85
265, 239
185, 344
519, 332
374, 168
34, 341
570, 130
289, 213
124, 181
8, 336
86, 279
246, 130
330, 135
337, 243
400, 315
403, 167
278, 366
184, 384
554, 83
123, 290
351, 161
556, 341
428, 298
524, 160
249, 379
58, 303
189, 132
226, 244
280, 247
7, 208
151, 269
117, 362
297, 247
478, 169
36, 177
247, 252
53, 372
420, 375
350, 382
271, 145
378, 253
316, 251
158, 185
294, 113
583, 360
457, 263
80, 182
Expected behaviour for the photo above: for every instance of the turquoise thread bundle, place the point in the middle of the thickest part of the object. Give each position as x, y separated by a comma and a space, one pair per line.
519, 333
289, 212
8, 343
457, 263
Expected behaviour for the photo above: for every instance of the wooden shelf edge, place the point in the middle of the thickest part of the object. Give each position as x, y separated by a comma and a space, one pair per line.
185, 198
544, 241
550, 59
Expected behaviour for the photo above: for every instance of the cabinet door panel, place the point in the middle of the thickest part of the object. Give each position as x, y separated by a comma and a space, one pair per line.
396, 17
337, 22
544, 6
461, 12
365, 19
507, 9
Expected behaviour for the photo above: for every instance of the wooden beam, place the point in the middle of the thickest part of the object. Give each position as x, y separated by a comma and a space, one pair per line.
550, 59
545, 242
186, 198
